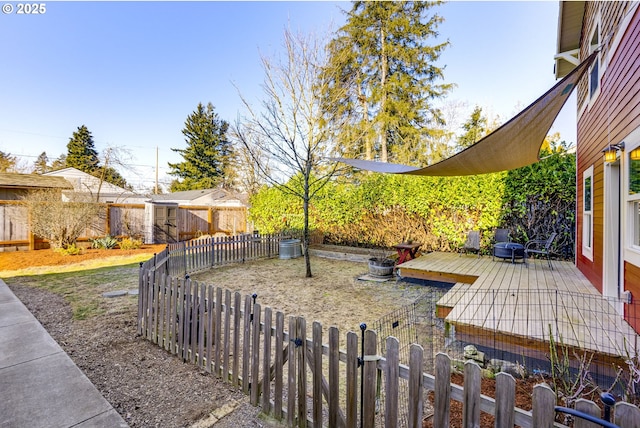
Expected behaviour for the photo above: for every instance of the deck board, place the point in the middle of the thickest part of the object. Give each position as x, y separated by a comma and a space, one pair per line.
524, 300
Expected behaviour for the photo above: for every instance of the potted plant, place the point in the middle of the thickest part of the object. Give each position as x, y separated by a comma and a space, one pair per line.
381, 265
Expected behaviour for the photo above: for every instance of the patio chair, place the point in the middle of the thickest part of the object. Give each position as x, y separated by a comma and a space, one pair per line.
540, 247
502, 235
472, 244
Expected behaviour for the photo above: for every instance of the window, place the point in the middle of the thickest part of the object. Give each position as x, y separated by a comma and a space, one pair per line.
594, 71
587, 213
634, 201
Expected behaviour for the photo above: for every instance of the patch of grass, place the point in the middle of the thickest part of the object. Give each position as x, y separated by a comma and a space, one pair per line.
83, 289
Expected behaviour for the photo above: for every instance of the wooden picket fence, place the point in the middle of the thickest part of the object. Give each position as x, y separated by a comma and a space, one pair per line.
302, 381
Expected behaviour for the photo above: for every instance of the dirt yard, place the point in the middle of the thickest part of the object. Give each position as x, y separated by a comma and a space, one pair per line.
146, 385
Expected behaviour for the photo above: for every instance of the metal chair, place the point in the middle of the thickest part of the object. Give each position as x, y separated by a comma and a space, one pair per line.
541, 247
472, 244
502, 235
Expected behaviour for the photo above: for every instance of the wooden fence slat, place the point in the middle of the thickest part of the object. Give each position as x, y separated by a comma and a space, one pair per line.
255, 354
279, 366
291, 375
588, 407
391, 378
246, 345
227, 335
316, 363
471, 403
505, 400
173, 316
210, 326
193, 319
149, 323
235, 369
627, 415
181, 310
544, 401
202, 322
334, 376
416, 403
442, 392
352, 380
369, 379
302, 375
266, 362
217, 334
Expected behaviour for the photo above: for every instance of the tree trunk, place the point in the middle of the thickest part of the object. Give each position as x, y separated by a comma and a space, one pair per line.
383, 102
305, 230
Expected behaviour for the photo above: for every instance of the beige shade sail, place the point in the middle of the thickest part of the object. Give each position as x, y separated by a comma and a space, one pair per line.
515, 144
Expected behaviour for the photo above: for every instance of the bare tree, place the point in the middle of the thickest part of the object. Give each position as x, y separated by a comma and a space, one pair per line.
289, 130
62, 223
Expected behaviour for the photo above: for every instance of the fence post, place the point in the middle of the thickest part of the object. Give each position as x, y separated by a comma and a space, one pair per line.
352, 380
442, 393
141, 296
391, 377
471, 401
544, 401
316, 363
627, 415
415, 386
302, 374
369, 379
505, 400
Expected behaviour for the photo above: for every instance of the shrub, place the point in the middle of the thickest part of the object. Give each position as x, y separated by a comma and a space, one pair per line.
130, 244
106, 243
71, 250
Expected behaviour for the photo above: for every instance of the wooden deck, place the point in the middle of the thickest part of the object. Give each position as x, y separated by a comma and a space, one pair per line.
525, 301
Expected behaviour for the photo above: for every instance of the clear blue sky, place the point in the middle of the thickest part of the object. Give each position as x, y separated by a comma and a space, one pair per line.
132, 71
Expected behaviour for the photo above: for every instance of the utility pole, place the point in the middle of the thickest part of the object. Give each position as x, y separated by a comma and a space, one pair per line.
156, 189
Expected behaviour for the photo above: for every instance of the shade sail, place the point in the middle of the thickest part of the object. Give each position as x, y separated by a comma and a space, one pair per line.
515, 144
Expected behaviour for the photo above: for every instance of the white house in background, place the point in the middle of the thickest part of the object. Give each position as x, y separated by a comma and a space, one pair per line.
208, 197
88, 184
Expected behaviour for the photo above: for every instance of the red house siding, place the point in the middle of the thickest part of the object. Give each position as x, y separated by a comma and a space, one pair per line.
613, 115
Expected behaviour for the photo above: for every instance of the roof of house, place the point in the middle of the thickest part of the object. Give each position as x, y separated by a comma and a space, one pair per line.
84, 182
569, 31
192, 195
35, 181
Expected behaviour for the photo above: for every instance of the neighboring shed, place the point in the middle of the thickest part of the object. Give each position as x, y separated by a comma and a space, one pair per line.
14, 186
14, 231
87, 184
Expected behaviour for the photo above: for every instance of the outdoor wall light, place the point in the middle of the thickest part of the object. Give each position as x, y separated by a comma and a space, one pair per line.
611, 152
635, 154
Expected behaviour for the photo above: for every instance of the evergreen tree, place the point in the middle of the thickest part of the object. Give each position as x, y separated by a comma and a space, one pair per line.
59, 163
41, 165
81, 153
7, 162
475, 128
208, 154
386, 69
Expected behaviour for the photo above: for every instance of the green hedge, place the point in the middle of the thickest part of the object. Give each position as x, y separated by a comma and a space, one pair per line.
380, 210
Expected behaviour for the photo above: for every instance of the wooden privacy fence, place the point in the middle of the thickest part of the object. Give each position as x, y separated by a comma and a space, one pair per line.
305, 382
120, 220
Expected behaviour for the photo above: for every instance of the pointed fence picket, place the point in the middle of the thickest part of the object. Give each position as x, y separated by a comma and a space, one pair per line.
305, 382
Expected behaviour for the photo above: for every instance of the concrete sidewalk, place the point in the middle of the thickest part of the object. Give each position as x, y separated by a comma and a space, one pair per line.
39, 384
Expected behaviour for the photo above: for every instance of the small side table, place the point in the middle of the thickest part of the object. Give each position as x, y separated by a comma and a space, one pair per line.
407, 251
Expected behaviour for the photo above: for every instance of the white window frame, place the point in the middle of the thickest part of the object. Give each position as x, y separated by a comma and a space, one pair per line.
594, 43
587, 215
631, 249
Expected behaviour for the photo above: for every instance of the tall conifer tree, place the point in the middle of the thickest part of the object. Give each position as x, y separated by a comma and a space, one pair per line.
208, 152
388, 72
81, 151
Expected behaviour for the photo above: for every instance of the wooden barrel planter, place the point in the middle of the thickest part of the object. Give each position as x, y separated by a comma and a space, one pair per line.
381, 267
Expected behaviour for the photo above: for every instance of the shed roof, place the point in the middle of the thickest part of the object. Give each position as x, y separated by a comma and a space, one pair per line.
34, 181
